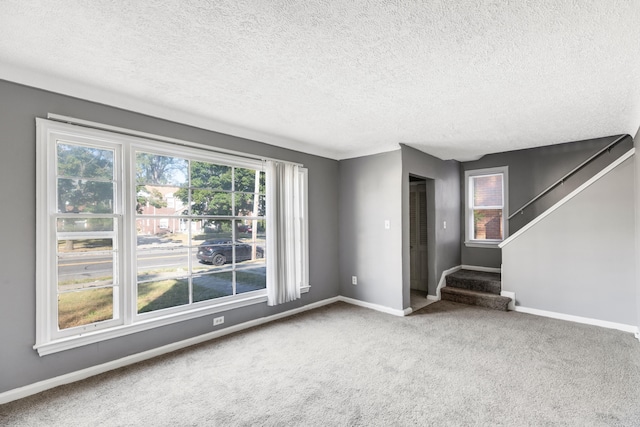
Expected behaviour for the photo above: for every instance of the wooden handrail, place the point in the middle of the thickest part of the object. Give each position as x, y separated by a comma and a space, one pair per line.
561, 180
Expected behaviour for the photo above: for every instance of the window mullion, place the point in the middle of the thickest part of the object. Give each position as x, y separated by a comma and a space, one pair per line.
234, 282
189, 235
129, 288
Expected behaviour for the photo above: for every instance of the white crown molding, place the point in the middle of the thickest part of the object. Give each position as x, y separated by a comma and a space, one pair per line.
61, 85
369, 151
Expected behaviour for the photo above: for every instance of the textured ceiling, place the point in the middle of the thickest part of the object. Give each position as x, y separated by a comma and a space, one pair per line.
456, 79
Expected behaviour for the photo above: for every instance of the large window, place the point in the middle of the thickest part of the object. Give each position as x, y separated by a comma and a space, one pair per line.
134, 233
200, 230
485, 206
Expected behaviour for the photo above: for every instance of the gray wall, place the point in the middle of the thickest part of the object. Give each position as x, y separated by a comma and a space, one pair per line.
580, 260
370, 194
443, 205
637, 198
376, 188
530, 172
19, 106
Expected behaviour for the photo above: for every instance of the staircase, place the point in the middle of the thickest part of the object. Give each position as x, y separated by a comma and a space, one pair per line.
475, 288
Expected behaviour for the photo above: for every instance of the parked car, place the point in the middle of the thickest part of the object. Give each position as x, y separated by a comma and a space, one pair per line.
243, 228
220, 251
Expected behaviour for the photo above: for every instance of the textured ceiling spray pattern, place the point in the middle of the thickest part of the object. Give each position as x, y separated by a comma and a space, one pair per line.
454, 79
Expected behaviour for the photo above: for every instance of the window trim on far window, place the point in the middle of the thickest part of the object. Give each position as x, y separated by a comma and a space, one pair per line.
469, 175
126, 319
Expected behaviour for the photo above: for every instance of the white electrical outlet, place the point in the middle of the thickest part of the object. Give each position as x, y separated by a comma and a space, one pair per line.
354, 280
218, 321
387, 224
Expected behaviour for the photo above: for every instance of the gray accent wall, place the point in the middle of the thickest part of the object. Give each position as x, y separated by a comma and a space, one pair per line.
530, 172
370, 194
19, 106
443, 205
580, 259
375, 189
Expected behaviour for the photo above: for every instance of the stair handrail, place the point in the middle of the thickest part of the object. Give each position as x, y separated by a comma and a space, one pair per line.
561, 180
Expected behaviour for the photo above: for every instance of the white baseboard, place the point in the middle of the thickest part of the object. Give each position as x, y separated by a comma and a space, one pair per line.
479, 268
512, 295
376, 307
443, 279
585, 320
28, 390
40, 386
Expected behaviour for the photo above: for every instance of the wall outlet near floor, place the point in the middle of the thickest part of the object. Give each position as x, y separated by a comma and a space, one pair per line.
354, 280
218, 321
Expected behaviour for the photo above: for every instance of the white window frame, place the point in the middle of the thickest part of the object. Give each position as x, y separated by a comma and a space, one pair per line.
127, 321
468, 191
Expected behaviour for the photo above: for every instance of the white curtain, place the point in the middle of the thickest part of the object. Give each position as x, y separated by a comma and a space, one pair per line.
285, 269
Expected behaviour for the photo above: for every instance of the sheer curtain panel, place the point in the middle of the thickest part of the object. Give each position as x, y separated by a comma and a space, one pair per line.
285, 267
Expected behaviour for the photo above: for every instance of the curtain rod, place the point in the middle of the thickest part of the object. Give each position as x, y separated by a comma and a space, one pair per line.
160, 138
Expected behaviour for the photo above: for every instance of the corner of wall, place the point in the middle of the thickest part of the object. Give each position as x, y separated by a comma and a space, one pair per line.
445, 176
637, 217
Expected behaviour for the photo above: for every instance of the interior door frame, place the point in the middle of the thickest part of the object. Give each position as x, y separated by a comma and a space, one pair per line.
415, 234
431, 231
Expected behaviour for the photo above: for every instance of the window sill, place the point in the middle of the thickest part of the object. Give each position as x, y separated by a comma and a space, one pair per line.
479, 244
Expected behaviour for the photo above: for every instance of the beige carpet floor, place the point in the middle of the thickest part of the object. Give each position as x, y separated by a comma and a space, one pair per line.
340, 365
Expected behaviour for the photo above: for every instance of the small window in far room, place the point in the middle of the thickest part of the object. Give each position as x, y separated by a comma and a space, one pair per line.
486, 201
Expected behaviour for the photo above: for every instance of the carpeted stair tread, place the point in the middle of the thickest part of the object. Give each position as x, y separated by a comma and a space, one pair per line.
470, 297
480, 281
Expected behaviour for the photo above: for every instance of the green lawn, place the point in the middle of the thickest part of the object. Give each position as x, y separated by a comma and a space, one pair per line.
82, 308
85, 245
95, 305
174, 292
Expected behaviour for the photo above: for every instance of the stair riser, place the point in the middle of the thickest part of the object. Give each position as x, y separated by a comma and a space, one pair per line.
492, 287
493, 303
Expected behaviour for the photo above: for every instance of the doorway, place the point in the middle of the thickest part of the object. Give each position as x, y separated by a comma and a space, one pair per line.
418, 242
